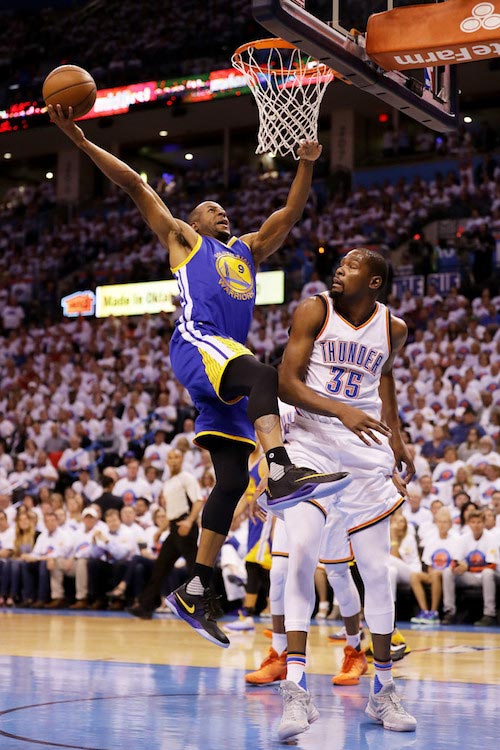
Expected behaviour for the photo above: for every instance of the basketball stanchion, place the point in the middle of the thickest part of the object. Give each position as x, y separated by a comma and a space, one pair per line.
288, 86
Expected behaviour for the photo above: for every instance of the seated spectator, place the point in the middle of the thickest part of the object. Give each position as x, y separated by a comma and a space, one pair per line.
485, 456
433, 450
76, 564
43, 474
24, 539
413, 511
7, 533
140, 567
111, 550
489, 484
429, 491
50, 544
88, 488
445, 472
475, 559
73, 459
404, 559
436, 557
132, 486
156, 453
74, 507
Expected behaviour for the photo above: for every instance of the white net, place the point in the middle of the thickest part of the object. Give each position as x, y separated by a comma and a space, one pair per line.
288, 86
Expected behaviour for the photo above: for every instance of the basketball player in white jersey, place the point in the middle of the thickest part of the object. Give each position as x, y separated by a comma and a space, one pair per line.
337, 371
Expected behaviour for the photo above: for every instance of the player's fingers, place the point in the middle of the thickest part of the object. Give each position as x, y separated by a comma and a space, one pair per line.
373, 437
381, 427
70, 113
359, 433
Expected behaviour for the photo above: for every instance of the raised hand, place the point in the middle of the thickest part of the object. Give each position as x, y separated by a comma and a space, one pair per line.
309, 150
65, 122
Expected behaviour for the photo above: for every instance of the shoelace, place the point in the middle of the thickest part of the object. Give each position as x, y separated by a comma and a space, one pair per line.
294, 704
348, 663
396, 703
213, 610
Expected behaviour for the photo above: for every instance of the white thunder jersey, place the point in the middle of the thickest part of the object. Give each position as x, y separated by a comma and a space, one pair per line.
346, 365
346, 361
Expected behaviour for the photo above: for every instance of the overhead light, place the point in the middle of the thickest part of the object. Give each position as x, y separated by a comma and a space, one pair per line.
7, 156
467, 119
163, 133
189, 157
49, 175
144, 177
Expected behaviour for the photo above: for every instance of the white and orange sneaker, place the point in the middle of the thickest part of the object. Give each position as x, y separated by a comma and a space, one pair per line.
272, 669
353, 666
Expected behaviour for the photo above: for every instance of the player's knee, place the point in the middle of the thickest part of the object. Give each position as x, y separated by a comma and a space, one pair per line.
277, 579
263, 399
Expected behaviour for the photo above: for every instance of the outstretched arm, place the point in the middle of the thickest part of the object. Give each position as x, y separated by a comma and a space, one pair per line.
275, 229
174, 234
307, 321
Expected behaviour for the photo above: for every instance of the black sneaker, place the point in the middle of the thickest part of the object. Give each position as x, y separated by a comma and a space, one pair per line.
200, 611
299, 483
448, 618
486, 621
139, 611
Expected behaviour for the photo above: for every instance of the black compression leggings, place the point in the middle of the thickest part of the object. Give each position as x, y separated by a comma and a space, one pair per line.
246, 376
230, 460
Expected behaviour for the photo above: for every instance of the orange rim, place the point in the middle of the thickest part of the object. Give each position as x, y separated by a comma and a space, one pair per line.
272, 43
276, 43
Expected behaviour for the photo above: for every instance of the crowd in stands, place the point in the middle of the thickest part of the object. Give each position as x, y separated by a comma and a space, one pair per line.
90, 411
132, 42
43, 257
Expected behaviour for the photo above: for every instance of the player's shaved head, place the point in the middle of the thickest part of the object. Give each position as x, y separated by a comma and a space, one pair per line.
376, 263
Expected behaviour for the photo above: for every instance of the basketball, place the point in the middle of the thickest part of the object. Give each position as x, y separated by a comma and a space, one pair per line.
70, 86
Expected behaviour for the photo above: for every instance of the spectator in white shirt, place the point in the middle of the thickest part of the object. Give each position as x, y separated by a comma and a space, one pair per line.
155, 484
156, 453
72, 460
475, 561
87, 487
51, 543
132, 486
436, 556
485, 456
111, 550
7, 534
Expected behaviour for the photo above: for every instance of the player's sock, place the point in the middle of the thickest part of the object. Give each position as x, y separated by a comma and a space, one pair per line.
354, 641
383, 675
295, 668
277, 460
200, 579
279, 642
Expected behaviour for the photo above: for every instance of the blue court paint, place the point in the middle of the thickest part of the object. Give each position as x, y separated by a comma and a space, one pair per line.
93, 705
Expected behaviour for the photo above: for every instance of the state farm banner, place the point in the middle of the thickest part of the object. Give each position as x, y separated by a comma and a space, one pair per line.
421, 36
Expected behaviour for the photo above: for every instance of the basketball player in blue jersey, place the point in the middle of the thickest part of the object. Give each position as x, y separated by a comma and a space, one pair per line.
336, 369
233, 392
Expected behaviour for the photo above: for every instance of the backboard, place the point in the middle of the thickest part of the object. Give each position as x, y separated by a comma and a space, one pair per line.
333, 32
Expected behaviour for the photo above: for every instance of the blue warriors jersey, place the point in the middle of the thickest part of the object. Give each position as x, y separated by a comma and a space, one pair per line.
217, 287
217, 291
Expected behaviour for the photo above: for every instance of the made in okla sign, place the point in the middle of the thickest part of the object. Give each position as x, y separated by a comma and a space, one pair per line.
153, 297
421, 36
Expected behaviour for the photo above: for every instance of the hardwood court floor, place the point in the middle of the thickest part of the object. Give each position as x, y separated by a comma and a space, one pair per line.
100, 682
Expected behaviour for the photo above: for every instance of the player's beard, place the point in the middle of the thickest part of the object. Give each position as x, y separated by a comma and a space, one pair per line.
223, 236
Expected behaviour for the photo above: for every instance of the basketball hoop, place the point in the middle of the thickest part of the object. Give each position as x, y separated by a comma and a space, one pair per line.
288, 86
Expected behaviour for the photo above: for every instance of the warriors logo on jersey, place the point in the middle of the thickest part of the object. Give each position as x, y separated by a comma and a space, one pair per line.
236, 278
